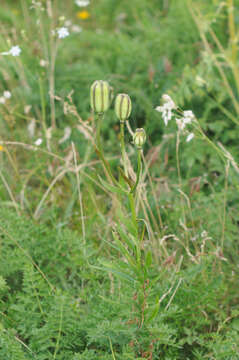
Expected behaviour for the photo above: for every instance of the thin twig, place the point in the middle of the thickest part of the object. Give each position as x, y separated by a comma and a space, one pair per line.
171, 299
9, 192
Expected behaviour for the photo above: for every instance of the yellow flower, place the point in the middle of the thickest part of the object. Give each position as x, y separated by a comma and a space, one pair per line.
83, 15
1, 148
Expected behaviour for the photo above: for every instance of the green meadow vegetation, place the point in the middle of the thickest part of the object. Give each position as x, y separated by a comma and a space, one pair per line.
119, 180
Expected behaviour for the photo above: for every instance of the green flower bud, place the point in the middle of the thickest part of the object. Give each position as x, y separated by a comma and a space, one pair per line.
139, 138
123, 106
100, 96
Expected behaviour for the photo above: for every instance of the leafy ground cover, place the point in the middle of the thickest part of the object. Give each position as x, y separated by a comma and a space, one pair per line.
110, 251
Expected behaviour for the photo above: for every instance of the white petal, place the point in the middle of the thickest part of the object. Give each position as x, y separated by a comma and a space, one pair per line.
190, 137
15, 50
188, 114
63, 32
159, 108
165, 119
166, 97
38, 142
180, 123
170, 114
7, 94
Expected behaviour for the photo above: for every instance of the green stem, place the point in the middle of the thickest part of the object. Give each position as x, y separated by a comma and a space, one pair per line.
135, 222
123, 147
133, 210
138, 172
180, 183
132, 193
43, 109
99, 119
106, 165
99, 148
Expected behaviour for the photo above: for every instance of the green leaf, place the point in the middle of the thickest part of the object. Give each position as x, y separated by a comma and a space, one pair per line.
127, 180
112, 188
148, 260
130, 240
107, 266
128, 256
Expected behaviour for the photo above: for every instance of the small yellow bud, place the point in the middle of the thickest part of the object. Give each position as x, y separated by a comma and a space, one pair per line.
123, 106
139, 138
100, 96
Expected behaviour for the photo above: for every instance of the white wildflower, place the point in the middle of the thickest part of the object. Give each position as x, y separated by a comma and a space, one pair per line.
63, 32
7, 94
188, 116
181, 124
15, 51
190, 137
43, 63
38, 142
2, 100
82, 3
166, 109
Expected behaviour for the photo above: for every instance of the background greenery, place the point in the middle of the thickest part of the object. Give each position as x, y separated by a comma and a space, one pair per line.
58, 298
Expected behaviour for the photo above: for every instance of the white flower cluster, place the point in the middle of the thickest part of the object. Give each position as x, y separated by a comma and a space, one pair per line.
14, 51
63, 32
187, 118
167, 113
167, 108
82, 3
6, 95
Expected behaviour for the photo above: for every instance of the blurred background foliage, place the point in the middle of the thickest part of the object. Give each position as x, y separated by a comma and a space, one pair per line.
144, 49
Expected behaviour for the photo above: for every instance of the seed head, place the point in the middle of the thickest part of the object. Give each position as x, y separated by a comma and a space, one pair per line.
139, 138
123, 106
100, 96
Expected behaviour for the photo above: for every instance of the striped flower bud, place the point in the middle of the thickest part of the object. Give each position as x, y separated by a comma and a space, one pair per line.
139, 138
100, 96
123, 106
